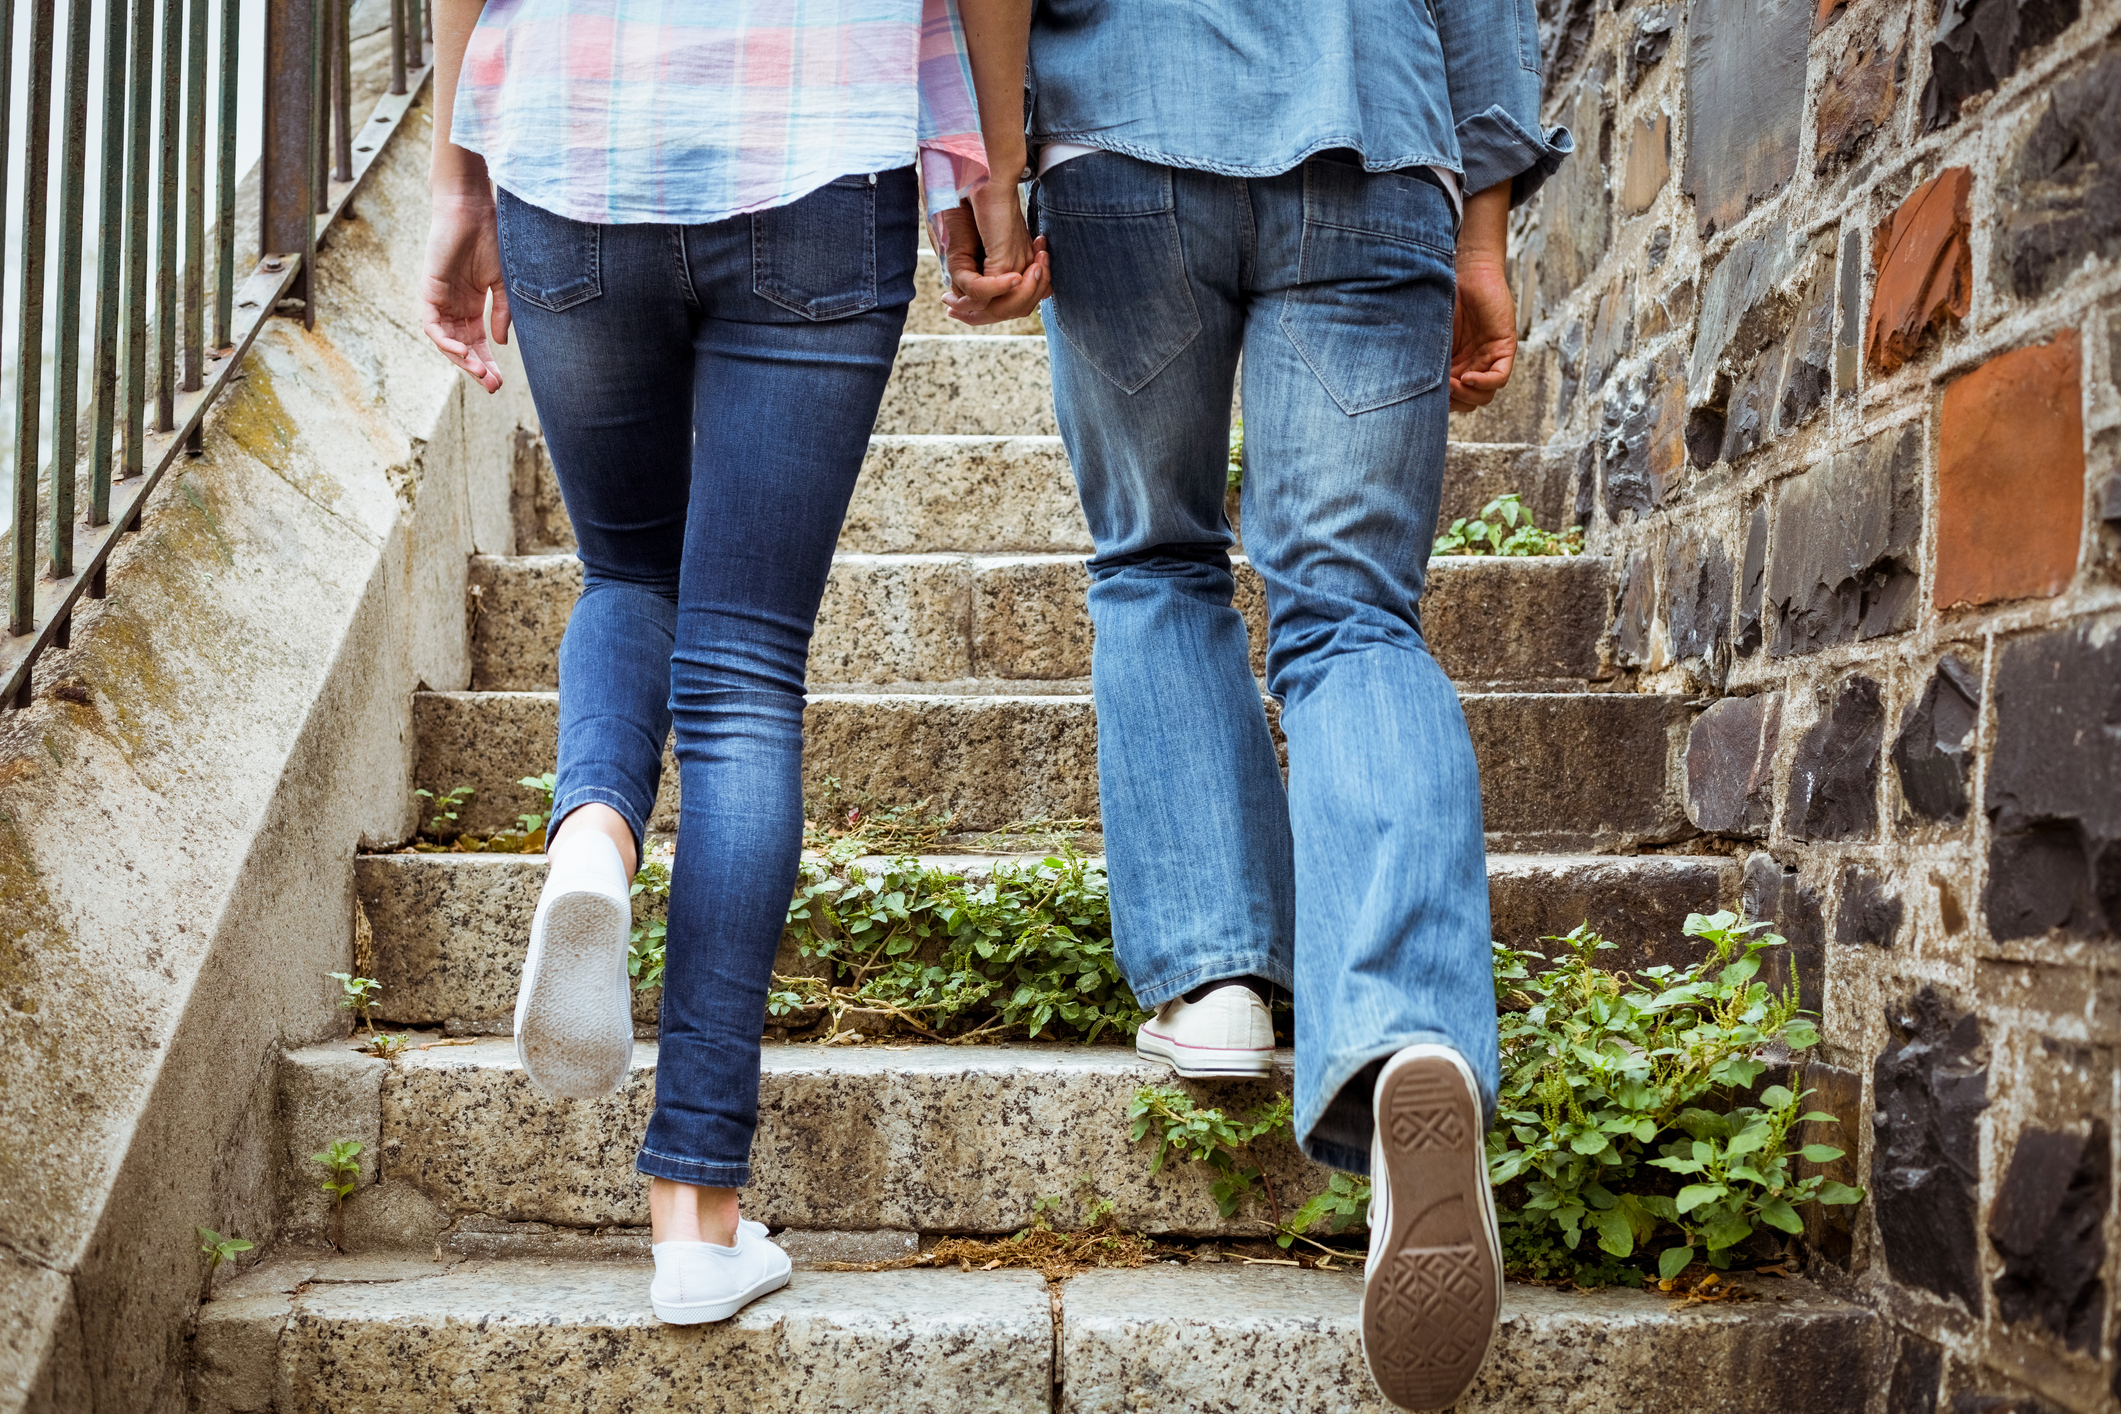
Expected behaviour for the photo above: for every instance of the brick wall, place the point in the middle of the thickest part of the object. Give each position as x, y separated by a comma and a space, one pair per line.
1827, 313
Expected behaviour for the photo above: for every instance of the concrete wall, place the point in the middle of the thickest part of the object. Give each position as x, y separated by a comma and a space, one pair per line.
1827, 311
180, 805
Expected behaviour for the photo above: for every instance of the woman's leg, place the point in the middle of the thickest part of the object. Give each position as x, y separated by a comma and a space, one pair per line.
784, 404
606, 326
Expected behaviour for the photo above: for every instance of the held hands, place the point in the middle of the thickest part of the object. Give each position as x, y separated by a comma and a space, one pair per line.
463, 266
997, 271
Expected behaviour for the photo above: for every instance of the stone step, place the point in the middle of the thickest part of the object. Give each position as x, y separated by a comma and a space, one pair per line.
989, 494
899, 618
928, 1138
449, 929
986, 385
1559, 771
359, 1336
353, 1335
927, 315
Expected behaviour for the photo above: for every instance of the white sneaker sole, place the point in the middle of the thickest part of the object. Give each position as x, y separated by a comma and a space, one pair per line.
1432, 1299
1202, 1062
696, 1313
574, 1026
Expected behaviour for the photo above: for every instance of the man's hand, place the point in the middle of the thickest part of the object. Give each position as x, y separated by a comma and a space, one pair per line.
463, 266
1484, 322
996, 270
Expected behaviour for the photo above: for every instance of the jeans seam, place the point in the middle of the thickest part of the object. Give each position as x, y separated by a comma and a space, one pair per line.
677, 241
738, 1174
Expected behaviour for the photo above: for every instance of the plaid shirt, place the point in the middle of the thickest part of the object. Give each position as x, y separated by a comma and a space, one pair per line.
690, 111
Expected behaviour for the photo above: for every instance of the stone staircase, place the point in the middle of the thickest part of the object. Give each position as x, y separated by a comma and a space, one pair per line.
495, 1257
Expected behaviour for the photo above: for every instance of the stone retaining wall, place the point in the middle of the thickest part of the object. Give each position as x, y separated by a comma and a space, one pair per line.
1828, 309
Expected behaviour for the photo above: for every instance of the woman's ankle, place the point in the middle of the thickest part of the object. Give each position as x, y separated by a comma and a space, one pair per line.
685, 1212
597, 818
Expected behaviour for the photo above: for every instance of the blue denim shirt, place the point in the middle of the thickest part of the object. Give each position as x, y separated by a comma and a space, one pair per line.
1253, 87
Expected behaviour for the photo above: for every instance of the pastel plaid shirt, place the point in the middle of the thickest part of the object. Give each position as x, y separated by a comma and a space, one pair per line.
690, 111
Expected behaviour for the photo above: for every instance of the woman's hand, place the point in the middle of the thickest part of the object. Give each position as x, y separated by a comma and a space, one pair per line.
997, 271
463, 266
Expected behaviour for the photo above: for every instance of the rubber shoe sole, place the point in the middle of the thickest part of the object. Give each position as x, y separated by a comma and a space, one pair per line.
696, 1313
574, 1028
1201, 1062
1433, 1296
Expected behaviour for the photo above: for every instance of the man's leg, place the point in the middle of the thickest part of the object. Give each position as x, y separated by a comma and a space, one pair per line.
1144, 328
1346, 399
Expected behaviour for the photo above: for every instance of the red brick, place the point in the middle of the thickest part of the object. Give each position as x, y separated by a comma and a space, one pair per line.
2010, 477
1925, 269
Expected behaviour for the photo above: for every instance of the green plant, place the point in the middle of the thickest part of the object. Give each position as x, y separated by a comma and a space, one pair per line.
218, 1249
534, 822
646, 945
389, 1047
1237, 454
343, 1159
1344, 1204
960, 957
1504, 527
358, 994
1598, 1067
442, 824
1221, 1141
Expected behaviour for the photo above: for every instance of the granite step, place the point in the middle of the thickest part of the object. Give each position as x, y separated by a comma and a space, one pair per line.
940, 493
920, 1137
986, 385
1559, 771
361, 1336
449, 929
922, 618
351, 1335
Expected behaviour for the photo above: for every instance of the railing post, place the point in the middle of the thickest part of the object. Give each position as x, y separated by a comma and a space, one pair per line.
29, 318
287, 188
66, 371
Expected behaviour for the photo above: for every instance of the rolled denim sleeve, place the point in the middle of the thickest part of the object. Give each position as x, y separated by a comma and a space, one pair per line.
1491, 56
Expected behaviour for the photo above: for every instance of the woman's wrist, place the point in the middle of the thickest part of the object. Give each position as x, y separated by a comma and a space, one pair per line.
1007, 161
458, 175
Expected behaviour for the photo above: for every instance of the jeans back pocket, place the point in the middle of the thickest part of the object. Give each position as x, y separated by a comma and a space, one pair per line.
550, 261
1121, 296
816, 256
1377, 284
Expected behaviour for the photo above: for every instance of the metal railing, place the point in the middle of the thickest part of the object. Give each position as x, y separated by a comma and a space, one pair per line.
163, 259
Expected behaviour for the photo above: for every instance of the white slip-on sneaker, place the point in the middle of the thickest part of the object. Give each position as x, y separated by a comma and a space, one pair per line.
1432, 1292
574, 1010
1227, 1032
697, 1281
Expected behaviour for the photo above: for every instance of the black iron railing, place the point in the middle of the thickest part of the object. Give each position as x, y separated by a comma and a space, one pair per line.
162, 258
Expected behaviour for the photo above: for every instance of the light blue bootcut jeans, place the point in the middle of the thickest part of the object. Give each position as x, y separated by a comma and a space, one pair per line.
1362, 887
707, 394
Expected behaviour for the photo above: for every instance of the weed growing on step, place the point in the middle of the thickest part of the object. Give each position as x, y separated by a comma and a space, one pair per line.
357, 995
1024, 950
389, 1047
645, 947
1627, 1116
1627, 1113
446, 807
343, 1159
218, 1249
1209, 1136
442, 835
1504, 527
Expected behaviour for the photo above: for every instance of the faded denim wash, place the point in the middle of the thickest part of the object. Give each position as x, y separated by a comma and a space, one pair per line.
1363, 886
1250, 89
707, 394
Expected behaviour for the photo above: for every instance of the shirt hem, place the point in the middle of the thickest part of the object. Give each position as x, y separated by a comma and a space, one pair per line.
1102, 143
